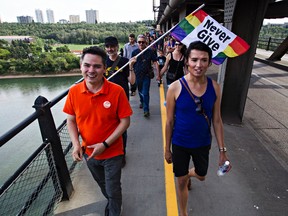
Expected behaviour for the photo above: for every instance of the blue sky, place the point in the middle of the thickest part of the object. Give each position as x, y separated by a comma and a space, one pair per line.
109, 10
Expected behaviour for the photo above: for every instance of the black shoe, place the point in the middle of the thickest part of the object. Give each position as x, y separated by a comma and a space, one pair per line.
146, 114
140, 105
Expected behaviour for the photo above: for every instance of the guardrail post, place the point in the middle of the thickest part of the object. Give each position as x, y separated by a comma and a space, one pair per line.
49, 131
268, 44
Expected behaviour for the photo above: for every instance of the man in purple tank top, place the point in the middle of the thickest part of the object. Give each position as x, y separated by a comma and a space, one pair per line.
193, 103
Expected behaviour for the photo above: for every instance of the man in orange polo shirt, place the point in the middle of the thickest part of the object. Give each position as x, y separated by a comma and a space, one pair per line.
100, 112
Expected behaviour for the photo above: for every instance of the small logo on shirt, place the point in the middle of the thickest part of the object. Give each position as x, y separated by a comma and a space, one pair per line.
107, 104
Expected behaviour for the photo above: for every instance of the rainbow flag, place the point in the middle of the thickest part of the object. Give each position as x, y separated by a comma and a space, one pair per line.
200, 26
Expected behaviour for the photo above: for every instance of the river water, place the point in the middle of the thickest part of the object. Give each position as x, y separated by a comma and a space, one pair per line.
17, 97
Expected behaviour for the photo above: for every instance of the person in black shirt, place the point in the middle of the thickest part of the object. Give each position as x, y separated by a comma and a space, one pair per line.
174, 64
113, 63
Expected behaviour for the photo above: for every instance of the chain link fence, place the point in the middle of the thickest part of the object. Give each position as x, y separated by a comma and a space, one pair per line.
73, 166
36, 190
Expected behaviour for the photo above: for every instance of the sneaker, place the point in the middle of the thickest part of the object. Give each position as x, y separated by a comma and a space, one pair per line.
133, 93
146, 114
140, 105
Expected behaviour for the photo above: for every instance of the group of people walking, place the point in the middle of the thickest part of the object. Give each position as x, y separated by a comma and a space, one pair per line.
98, 110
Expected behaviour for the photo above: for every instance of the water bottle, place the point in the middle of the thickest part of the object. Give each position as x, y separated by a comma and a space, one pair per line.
223, 168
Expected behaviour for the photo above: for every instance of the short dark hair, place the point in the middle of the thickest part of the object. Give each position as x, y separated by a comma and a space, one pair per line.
198, 45
132, 35
94, 50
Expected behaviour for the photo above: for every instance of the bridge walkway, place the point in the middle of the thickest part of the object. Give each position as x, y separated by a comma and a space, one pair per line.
258, 150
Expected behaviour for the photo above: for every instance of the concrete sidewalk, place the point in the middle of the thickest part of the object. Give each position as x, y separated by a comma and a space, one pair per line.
263, 55
257, 184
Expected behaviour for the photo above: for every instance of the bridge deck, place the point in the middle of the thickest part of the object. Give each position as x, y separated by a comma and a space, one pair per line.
258, 149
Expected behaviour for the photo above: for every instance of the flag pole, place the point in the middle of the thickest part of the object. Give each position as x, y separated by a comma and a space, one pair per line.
150, 45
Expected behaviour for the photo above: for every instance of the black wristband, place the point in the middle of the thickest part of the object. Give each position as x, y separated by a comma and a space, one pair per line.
105, 144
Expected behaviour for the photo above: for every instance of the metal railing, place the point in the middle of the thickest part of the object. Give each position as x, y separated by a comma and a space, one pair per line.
269, 43
45, 178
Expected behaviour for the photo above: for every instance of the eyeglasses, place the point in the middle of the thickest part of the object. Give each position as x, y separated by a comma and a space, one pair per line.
178, 44
198, 102
141, 42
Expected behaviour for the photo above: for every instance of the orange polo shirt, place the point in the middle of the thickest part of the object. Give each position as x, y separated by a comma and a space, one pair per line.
98, 115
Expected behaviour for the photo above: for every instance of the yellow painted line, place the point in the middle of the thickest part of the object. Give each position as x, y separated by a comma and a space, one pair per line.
171, 198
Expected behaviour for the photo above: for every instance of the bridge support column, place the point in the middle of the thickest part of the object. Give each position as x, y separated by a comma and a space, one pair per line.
238, 70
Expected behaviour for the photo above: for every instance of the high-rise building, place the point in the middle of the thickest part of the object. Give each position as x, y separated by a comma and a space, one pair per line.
63, 21
39, 16
74, 19
92, 16
24, 19
50, 16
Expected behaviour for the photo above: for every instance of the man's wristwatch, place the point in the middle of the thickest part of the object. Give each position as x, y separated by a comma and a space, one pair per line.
105, 144
223, 149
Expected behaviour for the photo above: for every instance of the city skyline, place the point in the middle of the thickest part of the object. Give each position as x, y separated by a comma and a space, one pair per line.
92, 17
109, 10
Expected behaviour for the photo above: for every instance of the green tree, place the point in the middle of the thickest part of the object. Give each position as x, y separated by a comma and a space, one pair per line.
4, 53
79, 33
22, 56
63, 49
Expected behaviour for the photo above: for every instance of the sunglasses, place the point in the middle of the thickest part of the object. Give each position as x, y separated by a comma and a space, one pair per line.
198, 102
141, 42
178, 44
